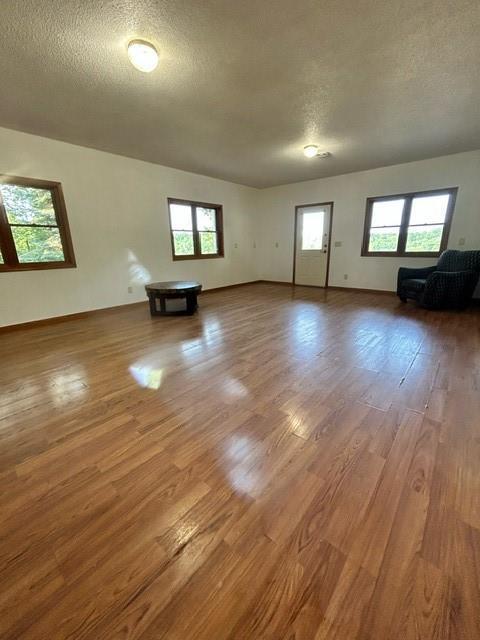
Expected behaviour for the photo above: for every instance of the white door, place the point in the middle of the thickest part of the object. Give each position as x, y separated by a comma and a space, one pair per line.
311, 252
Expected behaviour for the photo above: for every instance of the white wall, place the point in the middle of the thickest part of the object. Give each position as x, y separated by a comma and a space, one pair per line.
117, 210
349, 193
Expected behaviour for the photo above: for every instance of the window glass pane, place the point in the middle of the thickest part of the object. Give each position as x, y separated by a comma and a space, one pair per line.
1, 258
34, 244
384, 239
429, 209
387, 213
181, 216
28, 205
312, 230
205, 219
426, 238
208, 242
183, 243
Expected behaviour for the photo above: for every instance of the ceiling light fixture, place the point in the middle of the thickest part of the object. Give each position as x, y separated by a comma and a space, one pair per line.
311, 151
142, 55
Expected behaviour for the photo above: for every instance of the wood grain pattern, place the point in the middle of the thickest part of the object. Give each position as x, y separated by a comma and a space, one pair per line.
289, 464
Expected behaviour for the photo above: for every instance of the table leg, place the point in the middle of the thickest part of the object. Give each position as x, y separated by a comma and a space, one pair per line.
163, 307
192, 305
152, 302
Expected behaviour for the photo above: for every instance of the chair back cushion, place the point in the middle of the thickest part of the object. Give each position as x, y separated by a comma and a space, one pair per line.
453, 260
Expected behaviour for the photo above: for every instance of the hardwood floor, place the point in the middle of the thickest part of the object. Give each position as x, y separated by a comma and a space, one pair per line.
285, 465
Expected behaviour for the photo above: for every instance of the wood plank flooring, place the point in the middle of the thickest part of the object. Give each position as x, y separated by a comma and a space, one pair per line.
288, 464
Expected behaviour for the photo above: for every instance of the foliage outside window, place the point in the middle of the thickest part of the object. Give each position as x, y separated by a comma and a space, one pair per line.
34, 231
413, 224
196, 229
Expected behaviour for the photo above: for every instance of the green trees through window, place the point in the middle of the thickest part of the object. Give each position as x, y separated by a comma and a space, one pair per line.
418, 240
33, 225
414, 224
196, 229
25, 207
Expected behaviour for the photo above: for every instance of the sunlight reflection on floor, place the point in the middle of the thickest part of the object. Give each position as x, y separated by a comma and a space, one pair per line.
238, 452
146, 377
233, 387
68, 386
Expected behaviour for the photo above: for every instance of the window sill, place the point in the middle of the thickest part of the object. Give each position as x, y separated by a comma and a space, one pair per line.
37, 266
210, 257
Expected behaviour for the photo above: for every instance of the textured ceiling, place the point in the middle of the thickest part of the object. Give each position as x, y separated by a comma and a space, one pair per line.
243, 85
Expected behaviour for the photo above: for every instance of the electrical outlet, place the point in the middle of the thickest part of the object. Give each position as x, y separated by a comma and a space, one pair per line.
338, 243
276, 245
345, 276
236, 245
130, 289
461, 242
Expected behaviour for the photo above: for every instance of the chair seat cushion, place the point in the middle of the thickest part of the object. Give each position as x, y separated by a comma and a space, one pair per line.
414, 284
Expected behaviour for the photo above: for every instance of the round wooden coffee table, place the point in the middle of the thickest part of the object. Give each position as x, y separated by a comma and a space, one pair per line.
159, 292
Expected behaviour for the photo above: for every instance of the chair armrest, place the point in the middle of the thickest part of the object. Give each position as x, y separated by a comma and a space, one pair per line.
408, 272
449, 288
452, 276
405, 273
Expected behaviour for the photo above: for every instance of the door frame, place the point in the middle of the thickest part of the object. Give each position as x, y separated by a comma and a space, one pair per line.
313, 204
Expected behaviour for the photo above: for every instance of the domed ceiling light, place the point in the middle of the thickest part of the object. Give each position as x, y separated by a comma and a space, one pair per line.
142, 55
311, 151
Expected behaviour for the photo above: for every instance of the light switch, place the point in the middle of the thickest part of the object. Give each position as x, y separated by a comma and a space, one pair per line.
338, 243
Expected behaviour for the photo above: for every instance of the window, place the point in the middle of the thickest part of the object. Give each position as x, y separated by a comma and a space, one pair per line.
312, 230
413, 224
34, 231
196, 229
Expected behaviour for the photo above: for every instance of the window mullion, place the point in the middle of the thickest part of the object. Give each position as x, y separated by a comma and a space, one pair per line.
196, 235
402, 236
219, 232
7, 245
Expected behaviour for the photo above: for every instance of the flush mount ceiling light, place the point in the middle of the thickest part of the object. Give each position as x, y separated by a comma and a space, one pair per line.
142, 55
311, 151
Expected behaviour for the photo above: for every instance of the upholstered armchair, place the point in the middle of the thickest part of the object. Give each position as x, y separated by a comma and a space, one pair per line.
448, 285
